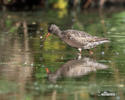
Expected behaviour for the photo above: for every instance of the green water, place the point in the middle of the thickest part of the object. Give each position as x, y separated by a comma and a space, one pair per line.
25, 58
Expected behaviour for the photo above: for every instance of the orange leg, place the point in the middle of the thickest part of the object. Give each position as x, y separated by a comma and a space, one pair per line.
90, 52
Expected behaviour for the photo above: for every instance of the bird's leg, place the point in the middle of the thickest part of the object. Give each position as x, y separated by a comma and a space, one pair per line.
80, 50
90, 52
80, 53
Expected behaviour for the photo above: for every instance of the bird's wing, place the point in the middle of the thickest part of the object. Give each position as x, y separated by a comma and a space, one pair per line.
83, 39
79, 36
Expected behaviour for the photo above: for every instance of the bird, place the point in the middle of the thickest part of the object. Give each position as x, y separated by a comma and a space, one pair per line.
75, 38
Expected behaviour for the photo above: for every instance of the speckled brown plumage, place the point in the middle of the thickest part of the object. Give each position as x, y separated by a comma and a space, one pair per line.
77, 39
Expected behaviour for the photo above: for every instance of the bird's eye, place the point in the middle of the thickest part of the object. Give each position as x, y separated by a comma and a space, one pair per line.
49, 30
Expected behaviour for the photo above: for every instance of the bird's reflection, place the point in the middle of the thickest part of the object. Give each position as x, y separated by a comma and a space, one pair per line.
76, 68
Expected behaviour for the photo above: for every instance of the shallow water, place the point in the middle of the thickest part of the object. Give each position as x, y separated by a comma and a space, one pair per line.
25, 59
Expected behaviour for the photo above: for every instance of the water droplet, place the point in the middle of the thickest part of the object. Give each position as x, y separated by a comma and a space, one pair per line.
41, 37
25, 63
32, 64
102, 52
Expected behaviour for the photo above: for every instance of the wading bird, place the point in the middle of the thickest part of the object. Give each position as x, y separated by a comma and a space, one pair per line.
75, 38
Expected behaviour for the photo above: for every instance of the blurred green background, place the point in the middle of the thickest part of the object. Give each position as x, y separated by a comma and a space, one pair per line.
25, 58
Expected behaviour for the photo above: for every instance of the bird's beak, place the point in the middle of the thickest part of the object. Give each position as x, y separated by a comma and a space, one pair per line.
47, 71
47, 35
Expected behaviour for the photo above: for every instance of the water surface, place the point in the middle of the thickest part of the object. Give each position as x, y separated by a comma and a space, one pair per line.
25, 59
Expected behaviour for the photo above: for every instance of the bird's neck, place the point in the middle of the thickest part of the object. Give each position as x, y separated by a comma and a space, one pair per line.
58, 33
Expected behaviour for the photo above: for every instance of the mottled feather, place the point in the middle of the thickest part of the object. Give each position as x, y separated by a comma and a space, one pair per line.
82, 39
77, 39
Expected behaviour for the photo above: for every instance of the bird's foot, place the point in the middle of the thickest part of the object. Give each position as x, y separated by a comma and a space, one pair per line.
91, 52
80, 50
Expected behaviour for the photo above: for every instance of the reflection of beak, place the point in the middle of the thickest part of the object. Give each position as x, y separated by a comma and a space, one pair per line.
47, 35
47, 71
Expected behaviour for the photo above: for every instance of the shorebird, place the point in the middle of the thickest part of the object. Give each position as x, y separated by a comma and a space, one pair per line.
78, 39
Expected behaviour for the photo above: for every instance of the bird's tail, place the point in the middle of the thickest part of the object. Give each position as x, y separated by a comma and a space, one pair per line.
103, 40
98, 41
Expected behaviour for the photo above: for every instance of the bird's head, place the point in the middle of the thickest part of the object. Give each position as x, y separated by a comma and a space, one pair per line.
53, 29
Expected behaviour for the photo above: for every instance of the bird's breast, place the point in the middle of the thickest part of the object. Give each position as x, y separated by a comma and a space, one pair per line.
73, 43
